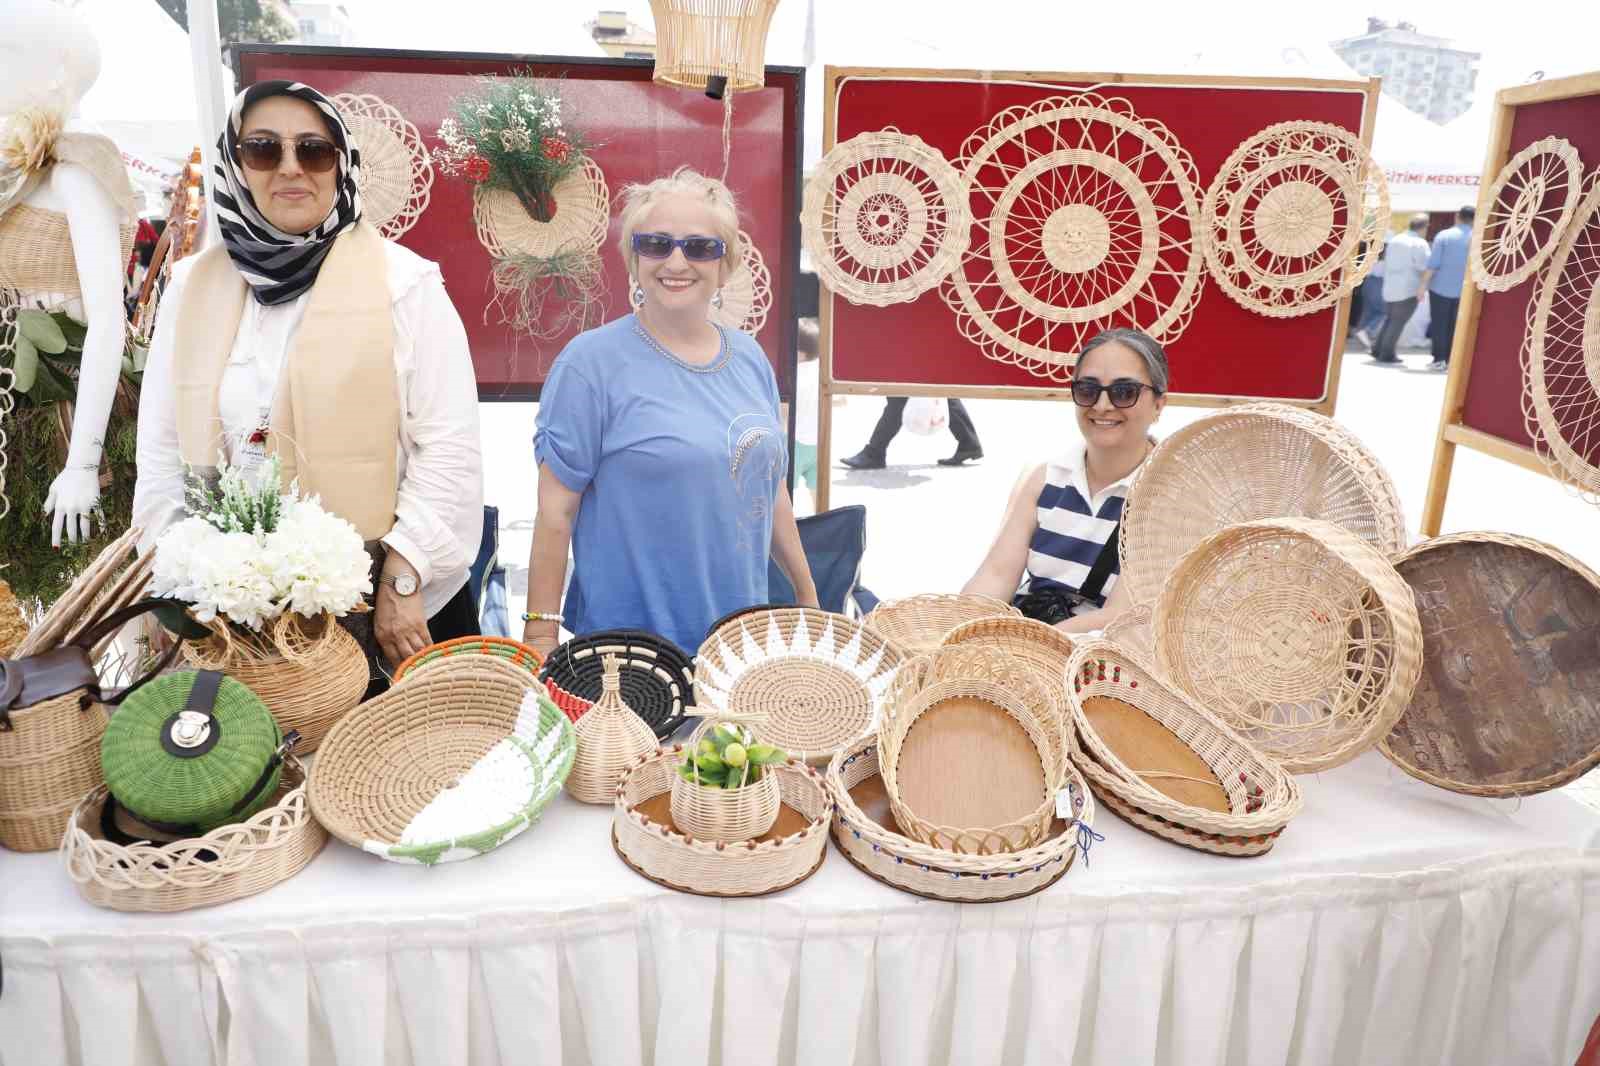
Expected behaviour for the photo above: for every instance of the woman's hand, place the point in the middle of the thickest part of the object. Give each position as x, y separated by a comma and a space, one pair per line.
399, 622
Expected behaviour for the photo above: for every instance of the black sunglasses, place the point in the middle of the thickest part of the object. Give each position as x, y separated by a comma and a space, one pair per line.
695, 249
1124, 392
316, 155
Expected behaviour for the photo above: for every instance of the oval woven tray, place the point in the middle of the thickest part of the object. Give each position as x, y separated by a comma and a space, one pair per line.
450, 763
646, 840
866, 833
513, 651
657, 677
814, 679
1508, 703
1043, 647
918, 624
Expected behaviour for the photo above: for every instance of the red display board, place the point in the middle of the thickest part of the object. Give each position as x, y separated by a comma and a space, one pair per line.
640, 131
1226, 351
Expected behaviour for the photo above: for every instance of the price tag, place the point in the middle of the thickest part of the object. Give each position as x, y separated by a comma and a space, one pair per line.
1064, 809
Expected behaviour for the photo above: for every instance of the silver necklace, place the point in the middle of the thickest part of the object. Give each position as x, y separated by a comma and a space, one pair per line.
710, 368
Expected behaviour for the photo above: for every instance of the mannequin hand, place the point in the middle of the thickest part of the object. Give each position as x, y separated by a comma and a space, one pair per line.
72, 499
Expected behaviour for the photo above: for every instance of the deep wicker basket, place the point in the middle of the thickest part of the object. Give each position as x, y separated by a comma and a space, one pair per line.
917, 624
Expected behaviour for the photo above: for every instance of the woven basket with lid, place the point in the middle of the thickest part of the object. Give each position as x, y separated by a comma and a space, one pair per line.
611, 738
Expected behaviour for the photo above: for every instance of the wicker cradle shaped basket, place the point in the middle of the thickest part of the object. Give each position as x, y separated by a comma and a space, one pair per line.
452, 762
917, 624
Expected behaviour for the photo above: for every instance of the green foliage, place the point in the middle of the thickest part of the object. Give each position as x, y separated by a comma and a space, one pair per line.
233, 504
515, 125
44, 349
729, 757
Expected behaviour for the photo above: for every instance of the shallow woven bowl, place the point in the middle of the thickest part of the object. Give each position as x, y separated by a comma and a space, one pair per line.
1296, 633
914, 867
450, 763
814, 679
1012, 688
1262, 796
711, 869
513, 651
1254, 461
917, 624
228, 863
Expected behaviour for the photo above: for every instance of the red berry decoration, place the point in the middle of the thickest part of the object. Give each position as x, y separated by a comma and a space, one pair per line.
476, 168
556, 149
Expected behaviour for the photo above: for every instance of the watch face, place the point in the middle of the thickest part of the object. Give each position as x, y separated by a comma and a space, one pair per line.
405, 584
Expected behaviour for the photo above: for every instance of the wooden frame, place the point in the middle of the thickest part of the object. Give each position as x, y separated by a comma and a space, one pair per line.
1453, 431
833, 77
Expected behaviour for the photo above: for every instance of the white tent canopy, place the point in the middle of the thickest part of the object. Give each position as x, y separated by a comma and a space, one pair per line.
1431, 167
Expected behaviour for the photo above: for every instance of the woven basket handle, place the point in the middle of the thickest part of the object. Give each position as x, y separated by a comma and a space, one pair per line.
115, 621
711, 721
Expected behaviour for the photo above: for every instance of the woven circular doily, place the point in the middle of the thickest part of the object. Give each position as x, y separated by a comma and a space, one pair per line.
578, 224
1561, 353
747, 297
1530, 204
1295, 218
9, 305
884, 217
396, 172
1086, 217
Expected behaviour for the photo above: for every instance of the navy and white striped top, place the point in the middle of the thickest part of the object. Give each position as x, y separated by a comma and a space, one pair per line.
1073, 528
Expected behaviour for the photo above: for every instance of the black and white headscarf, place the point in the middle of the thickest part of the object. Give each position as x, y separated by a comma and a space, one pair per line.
279, 266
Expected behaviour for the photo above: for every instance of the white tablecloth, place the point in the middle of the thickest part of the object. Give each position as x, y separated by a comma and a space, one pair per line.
1393, 923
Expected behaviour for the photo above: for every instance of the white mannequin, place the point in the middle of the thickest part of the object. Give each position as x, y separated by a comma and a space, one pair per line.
51, 58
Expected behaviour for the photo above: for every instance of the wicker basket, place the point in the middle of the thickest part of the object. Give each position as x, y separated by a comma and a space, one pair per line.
657, 677
917, 624
452, 762
514, 652
610, 739
309, 672
664, 855
814, 679
574, 707
49, 759
1043, 647
1134, 632
725, 815
1295, 632
228, 863
1254, 461
1261, 796
968, 767
874, 845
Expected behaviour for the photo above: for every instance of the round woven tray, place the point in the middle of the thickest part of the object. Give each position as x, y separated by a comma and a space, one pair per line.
1508, 703
1530, 202
1123, 769
582, 205
1260, 460
396, 177
657, 677
866, 833
815, 679
645, 838
918, 624
447, 765
512, 651
1294, 632
228, 863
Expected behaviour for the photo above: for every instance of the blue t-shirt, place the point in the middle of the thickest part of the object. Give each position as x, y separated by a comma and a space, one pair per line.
1448, 260
678, 468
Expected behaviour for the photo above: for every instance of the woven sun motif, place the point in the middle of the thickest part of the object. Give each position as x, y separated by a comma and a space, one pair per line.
396, 171
747, 297
582, 212
1530, 204
1086, 217
1295, 219
1561, 353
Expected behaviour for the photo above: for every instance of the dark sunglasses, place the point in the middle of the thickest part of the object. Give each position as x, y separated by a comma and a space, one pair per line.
695, 249
1124, 392
316, 155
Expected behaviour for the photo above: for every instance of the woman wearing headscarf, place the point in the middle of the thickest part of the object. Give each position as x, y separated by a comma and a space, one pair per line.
307, 335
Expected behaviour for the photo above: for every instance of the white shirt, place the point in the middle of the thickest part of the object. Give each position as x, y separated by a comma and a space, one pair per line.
806, 383
439, 504
1404, 260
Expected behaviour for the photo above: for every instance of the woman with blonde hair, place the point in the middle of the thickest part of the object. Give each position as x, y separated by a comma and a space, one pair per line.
660, 450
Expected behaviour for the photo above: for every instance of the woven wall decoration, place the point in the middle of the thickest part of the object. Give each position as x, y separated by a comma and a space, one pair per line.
396, 170
582, 211
747, 297
1295, 219
1561, 353
1530, 204
9, 306
885, 218
1086, 217
700, 39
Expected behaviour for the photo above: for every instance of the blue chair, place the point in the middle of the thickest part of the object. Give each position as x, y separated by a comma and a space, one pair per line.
834, 542
488, 580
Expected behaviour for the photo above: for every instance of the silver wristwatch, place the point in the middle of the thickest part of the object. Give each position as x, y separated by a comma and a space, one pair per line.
403, 584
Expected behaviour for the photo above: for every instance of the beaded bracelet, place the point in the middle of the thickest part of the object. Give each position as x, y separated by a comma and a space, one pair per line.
540, 616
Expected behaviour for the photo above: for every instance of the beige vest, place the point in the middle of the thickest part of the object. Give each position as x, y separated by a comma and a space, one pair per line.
335, 421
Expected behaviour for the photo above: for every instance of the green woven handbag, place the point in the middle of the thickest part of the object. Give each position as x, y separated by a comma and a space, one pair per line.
192, 751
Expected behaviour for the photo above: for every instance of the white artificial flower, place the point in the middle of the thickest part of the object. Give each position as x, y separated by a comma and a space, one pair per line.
317, 561
232, 582
176, 552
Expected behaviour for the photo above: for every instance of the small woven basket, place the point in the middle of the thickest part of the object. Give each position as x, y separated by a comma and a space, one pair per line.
726, 815
610, 738
709, 868
1297, 633
657, 677
1011, 688
49, 759
917, 624
1262, 797
309, 672
228, 863
513, 651
1043, 647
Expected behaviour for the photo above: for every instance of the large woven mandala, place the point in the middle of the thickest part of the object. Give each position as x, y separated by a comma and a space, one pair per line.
884, 217
1530, 204
1295, 219
1561, 353
1085, 215
578, 225
396, 172
747, 297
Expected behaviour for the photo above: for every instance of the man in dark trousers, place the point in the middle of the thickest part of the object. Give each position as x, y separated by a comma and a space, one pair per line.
1442, 281
1405, 259
874, 455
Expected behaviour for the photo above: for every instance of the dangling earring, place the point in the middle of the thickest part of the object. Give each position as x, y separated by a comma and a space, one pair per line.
716, 299
636, 296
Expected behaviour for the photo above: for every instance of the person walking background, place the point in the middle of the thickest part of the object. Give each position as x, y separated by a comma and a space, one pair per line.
875, 455
1404, 261
1442, 280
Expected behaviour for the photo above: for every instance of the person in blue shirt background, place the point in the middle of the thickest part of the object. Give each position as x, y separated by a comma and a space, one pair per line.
660, 449
1442, 281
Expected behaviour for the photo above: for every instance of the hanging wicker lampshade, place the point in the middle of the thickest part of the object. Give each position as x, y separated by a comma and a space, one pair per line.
701, 40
